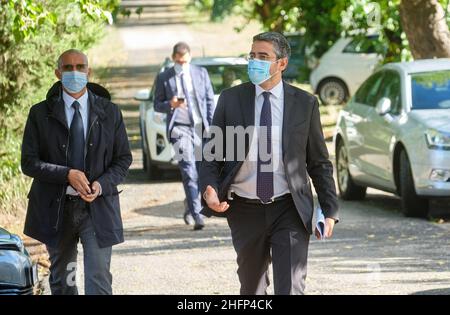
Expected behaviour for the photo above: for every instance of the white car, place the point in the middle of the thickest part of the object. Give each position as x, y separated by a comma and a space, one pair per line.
394, 135
343, 68
157, 152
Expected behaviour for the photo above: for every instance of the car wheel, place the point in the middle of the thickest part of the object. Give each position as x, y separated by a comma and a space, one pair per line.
412, 204
152, 171
348, 190
332, 92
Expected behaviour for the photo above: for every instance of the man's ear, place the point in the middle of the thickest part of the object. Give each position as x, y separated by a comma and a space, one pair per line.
89, 73
58, 74
283, 63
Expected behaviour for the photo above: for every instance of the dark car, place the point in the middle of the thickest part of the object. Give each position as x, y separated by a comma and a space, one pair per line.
297, 68
18, 273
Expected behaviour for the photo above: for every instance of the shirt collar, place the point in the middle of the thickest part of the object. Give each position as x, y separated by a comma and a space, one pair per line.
68, 100
276, 91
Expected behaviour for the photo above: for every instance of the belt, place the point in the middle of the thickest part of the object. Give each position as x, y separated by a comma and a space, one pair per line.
181, 124
258, 201
73, 198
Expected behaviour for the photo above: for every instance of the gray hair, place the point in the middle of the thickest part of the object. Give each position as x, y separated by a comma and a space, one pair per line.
280, 44
70, 51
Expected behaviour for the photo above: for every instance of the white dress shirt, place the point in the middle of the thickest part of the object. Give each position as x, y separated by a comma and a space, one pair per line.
244, 183
182, 113
70, 111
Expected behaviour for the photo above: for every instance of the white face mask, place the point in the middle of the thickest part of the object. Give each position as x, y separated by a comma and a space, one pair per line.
180, 68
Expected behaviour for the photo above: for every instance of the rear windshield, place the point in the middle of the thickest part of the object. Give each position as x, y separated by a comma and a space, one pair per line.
431, 90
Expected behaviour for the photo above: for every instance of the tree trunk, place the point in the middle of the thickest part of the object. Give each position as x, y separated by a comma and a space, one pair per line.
265, 11
426, 28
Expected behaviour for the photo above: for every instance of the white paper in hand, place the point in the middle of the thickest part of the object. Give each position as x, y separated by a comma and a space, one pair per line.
320, 222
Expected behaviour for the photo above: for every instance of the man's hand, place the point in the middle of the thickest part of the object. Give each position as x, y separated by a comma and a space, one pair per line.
95, 192
175, 102
79, 182
329, 225
213, 202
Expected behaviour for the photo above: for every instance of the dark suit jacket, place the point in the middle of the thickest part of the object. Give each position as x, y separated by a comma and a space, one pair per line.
166, 88
44, 158
305, 154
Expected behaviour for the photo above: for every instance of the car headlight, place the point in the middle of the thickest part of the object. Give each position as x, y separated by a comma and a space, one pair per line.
437, 140
159, 118
440, 175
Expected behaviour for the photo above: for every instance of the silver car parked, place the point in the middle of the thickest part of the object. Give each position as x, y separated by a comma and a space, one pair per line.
394, 135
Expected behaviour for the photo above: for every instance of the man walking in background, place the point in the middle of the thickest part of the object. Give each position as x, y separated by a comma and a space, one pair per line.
75, 147
268, 202
184, 92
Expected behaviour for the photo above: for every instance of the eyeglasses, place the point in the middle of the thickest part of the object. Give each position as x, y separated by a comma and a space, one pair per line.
260, 57
77, 67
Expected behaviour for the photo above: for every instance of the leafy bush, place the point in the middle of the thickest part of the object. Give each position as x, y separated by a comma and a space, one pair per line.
33, 33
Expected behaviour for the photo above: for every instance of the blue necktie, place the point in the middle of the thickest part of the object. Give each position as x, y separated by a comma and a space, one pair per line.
264, 185
76, 140
186, 97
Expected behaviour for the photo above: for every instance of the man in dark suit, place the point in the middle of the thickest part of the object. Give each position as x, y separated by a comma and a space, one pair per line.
266, 195
76, 149
184, 92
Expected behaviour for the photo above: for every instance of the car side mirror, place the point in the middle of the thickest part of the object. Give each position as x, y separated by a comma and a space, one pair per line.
142, 95
383, 106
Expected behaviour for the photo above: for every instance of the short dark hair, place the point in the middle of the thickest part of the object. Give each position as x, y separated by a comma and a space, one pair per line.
280, 43
181, 48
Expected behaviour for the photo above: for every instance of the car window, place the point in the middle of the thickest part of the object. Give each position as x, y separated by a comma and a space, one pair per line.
297, 44
226, 76
431, 90
367, 92
361, 45
390, 88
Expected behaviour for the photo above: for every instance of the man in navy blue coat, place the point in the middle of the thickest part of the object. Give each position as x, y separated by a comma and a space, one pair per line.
75, 147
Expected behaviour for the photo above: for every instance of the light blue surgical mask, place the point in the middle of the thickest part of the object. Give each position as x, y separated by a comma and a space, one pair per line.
74, 81
259, 70
181, 68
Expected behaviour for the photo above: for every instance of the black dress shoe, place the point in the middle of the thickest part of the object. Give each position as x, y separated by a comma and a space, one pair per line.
188, 219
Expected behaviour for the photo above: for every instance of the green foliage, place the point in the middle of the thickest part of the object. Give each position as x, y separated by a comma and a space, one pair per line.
319, 21
430, 80
364, 17
323, 22
32, 35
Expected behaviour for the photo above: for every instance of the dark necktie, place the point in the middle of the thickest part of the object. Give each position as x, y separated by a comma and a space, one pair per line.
264, 185
186, 97
76, 139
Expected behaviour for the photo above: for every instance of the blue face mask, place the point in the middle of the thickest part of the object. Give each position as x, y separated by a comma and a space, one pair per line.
259, 71
74, 81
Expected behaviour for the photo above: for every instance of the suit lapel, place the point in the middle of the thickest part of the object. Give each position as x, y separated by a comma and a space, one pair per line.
247, 104
172, 81
195, 77
291, 113
247, 99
